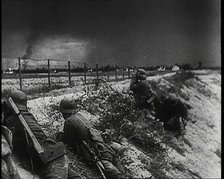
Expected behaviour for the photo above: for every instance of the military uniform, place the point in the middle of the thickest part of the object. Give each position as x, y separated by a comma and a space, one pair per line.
78, 130
142, 93
9, 170
56, 169
173, 113
8, 167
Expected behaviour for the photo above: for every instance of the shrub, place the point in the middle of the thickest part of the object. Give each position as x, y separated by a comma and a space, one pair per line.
119, 117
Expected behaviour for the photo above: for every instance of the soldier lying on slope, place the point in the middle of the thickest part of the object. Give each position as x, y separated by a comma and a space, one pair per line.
23, 145
88, 142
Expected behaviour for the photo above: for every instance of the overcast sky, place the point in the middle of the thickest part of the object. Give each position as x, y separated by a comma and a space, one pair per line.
128, 32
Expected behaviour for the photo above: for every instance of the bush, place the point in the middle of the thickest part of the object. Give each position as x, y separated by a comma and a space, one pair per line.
119, 118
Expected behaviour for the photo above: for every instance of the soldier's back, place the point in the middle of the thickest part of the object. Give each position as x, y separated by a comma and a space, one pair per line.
76, 128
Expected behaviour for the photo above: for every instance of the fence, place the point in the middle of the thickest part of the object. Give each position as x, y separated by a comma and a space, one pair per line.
66, 72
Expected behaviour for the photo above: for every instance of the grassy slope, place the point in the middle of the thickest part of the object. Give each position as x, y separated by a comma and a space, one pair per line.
195, 155
202, 142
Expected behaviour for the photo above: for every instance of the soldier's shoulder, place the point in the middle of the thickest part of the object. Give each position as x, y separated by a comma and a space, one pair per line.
72, 117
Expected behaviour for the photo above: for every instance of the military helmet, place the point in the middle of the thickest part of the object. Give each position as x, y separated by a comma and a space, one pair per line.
173, 98
67, 105
141, 74
19, 98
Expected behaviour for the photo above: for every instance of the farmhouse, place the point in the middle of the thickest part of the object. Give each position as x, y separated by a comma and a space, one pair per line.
175, 68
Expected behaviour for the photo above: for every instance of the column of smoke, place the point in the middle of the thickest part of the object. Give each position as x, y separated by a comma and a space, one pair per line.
31, 42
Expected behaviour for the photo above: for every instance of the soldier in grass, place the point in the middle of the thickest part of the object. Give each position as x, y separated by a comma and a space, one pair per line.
23, 148
173, 113
86, 141
144, 97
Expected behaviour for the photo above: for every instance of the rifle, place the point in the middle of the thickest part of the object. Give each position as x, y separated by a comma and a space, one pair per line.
93, 155
49, 153
95, 159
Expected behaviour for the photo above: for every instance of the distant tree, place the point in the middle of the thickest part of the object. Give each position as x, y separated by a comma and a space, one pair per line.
108, 68
186, 67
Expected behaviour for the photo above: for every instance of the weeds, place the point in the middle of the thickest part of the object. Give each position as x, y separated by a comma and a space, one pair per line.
119, 118
42, 89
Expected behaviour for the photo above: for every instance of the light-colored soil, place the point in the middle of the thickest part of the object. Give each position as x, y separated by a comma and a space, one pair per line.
201, 144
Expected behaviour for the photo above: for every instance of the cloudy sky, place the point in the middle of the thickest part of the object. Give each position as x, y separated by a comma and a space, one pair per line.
123, 32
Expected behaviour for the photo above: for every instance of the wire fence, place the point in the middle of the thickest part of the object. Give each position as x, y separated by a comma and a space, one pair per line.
49, 72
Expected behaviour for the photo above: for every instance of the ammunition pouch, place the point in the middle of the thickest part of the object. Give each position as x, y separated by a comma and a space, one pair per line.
52, 152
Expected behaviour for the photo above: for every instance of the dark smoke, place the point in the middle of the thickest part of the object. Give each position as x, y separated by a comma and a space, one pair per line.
31, 42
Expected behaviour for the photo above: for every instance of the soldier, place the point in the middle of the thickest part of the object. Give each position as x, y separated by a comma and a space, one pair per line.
144, 97
9, 169
82, 137
22, 144
173, 113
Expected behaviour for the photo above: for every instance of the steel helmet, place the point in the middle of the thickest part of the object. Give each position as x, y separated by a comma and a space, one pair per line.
173, 97
19, 98
141, 74
67, 105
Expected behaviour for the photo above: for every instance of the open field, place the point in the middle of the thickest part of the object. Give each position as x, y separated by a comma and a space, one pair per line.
38, 83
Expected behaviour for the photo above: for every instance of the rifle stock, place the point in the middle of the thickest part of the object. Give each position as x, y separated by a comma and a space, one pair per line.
51, 152
36, 144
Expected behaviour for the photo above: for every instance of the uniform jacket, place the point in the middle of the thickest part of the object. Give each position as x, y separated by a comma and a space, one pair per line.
171, 108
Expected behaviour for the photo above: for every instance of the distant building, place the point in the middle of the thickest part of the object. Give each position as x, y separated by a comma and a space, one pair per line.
161, 68
10, 70
175, 68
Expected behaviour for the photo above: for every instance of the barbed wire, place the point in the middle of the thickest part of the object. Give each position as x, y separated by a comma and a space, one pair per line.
64, 63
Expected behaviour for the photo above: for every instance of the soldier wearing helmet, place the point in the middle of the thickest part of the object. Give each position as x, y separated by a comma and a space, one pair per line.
143, 95
78, 129
173, 113
22, 145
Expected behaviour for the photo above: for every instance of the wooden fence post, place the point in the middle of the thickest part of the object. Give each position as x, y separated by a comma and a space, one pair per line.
48, 67
116, 74
20, 77
97, 76
108, 76
123, 72
85, 73
69, 74
97, 72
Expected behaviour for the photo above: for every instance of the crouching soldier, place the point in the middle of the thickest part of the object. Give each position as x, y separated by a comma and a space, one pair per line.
48, 160
88, 142
143, 95
173, 113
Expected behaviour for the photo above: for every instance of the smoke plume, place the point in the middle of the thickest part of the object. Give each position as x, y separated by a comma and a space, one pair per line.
31, 42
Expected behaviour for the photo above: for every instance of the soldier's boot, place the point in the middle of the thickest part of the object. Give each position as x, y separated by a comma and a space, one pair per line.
110, 170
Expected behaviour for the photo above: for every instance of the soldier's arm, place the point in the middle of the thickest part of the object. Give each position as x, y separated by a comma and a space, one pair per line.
133, 84
11, 122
